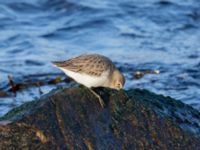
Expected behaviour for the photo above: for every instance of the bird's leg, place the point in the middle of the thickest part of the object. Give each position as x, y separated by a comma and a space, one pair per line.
99, 97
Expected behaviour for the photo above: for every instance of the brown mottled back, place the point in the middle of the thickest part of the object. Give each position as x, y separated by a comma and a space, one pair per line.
92, 64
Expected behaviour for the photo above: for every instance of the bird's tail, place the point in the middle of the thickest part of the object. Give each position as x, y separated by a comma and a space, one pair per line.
57, 63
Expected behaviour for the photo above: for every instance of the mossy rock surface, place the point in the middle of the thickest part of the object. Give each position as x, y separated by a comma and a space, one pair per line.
73, 119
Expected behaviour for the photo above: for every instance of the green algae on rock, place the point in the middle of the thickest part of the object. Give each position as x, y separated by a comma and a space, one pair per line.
73, 119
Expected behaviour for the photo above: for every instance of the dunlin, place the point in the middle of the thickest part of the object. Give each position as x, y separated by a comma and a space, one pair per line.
93, 70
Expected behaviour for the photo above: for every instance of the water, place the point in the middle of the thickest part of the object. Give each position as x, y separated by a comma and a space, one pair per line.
137, 35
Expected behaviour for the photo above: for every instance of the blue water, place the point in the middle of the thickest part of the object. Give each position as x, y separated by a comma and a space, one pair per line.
136, 35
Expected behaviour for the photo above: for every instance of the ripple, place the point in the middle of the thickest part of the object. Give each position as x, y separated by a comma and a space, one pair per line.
88, 24
132, 35
63, 5
195, 15
64, 31
164, 3
24, 8
34, 63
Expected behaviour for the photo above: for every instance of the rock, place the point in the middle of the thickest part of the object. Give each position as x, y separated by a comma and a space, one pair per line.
2, 93
187, 117
73, 119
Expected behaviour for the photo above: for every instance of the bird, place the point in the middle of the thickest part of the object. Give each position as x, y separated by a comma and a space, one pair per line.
92, 70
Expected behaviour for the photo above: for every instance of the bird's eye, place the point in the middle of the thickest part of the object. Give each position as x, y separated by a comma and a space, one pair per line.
118, 85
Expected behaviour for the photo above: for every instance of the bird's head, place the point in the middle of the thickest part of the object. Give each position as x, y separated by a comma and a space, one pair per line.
117, 80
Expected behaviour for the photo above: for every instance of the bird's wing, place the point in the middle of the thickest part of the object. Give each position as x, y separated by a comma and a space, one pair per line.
89, 64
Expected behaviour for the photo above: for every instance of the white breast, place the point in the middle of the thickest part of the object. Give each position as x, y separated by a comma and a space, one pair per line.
87, 80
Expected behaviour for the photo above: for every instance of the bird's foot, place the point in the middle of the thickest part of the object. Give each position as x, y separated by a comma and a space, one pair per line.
99, 98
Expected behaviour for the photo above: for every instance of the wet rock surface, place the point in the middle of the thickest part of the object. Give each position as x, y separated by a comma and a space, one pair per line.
73, 119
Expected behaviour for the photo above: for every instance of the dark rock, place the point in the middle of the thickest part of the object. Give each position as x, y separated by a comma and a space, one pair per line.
2, 93
73, 119
187, 117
